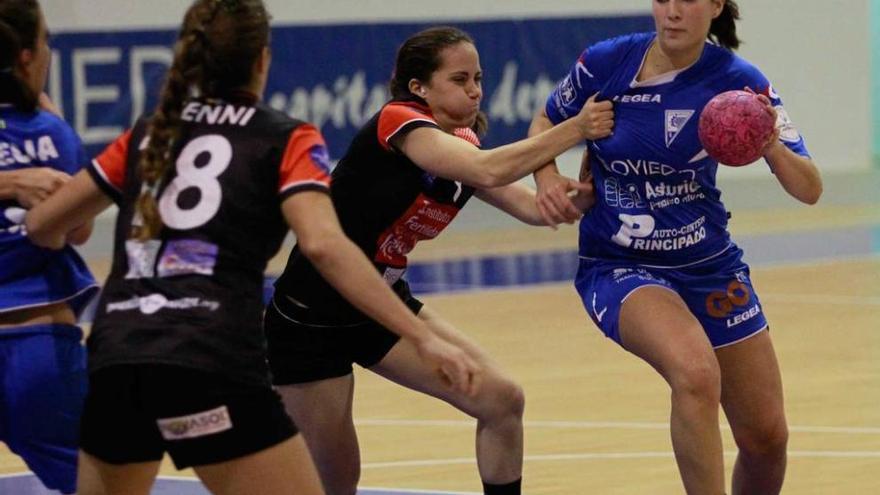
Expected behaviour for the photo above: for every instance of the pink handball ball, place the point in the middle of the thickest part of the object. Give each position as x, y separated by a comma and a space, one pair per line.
734, 127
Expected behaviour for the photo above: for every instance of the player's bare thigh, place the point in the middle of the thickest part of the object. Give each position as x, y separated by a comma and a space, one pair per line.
47, 314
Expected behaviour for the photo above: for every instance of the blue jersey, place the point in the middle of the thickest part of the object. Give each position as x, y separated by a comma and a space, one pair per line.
657, 202
30, 275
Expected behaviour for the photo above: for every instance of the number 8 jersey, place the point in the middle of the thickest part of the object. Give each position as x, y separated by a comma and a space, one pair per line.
193, 296
657, 201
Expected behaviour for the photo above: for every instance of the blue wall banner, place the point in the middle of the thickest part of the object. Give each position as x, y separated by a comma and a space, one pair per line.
332, 75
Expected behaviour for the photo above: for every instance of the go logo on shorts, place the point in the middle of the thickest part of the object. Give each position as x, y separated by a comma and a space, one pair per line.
720, 304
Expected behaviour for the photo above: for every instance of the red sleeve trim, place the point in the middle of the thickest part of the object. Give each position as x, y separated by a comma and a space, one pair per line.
305, 160
111, 163
397, 116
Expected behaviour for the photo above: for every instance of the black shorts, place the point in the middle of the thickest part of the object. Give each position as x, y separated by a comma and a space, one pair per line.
135, 413
301, 352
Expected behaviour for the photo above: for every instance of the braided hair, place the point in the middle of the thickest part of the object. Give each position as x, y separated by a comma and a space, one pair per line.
217, 47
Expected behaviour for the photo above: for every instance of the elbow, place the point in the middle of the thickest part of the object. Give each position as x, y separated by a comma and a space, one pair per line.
811, 200
487, 169
490, 171
317, 248
814, 190
812, 196
79, 236
41, 236
491, 177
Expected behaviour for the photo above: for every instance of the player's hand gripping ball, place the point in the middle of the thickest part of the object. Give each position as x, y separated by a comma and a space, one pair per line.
735, 126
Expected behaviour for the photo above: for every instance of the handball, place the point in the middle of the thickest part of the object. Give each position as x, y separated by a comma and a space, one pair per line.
734, 127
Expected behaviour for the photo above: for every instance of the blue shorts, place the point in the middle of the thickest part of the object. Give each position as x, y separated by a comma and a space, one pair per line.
718, 292
44, 381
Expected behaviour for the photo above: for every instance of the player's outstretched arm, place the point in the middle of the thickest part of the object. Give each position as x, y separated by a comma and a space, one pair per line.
553, 198
56, 220
29, 186
519, 201
447, 156
321, 239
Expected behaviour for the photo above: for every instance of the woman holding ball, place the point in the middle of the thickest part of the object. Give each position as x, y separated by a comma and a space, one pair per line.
659, 273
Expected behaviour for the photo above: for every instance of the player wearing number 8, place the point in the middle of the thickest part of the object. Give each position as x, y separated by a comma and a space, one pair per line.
659, 273
207, 187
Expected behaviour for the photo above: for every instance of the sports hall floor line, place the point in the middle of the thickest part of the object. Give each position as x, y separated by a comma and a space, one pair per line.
855, 454
626, 425
27, 484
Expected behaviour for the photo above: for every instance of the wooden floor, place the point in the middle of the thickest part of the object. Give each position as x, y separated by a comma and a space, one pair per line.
597, 418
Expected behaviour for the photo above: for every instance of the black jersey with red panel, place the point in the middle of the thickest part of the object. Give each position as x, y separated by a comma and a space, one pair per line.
193, 296
386, 204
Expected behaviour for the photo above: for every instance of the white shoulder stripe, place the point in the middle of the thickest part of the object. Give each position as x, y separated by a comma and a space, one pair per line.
401, 126
294, 185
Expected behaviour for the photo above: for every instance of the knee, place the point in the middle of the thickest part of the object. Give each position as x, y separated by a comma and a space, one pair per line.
697, 379
767, 438
515, 403
504, 399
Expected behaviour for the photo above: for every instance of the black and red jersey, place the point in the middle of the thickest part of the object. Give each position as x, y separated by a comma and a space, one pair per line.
193, 296
386, 204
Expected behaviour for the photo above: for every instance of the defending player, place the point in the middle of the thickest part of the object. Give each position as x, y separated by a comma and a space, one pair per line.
404, 178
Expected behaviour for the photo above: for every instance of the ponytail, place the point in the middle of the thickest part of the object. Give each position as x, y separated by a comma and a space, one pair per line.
481, 124
723, 28
218, 46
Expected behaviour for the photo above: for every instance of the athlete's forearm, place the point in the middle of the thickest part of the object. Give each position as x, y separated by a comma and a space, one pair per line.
68, 209
797, 174
539, 124
514, 161
452, 158
7, 184
517, 200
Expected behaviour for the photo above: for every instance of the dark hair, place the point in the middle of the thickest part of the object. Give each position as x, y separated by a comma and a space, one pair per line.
19, 27
419, 56
218, 44
723, 28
